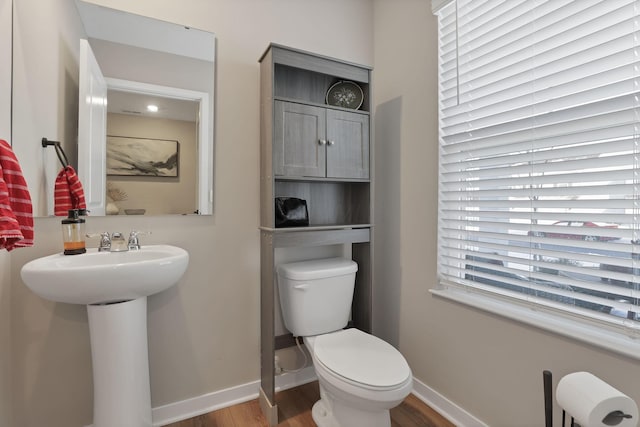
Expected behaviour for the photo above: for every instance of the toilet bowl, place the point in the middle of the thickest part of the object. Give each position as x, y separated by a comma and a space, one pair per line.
361, 376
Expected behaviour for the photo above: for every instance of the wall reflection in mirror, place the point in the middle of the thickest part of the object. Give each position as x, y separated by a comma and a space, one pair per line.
84, 73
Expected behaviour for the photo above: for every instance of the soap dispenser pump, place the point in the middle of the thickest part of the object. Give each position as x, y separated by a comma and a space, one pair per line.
73, 233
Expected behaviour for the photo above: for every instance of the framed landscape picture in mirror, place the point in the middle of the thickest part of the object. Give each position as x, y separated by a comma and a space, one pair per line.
130, 156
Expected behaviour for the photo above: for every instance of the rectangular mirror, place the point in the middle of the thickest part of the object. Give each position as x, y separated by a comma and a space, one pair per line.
133, 77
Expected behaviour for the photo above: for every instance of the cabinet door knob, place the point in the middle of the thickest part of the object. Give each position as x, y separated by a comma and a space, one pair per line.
331, 142
322, 141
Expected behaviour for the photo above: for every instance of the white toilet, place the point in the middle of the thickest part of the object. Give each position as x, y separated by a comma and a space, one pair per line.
361, 377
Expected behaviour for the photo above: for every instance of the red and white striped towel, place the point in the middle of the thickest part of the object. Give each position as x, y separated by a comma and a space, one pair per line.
69, 193
16, 211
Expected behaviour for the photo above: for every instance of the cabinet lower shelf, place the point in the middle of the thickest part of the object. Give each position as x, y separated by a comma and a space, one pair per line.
315, 179
318, 235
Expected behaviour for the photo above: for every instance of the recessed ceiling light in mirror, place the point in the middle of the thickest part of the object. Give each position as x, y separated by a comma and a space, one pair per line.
137, 103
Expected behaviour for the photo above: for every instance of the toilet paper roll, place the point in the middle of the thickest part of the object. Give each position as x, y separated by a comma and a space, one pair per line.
594, 403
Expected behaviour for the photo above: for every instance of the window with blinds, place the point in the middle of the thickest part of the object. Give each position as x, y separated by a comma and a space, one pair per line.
539, 154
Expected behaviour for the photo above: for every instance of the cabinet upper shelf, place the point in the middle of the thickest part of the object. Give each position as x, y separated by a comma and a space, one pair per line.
298, 58
300, 76
299, 85
318, 104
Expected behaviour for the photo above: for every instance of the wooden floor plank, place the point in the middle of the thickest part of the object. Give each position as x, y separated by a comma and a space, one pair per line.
414, 412
294, 405
246, 414
218, 418
294, 410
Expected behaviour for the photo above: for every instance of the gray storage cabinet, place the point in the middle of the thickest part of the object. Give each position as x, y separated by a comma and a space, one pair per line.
320, 153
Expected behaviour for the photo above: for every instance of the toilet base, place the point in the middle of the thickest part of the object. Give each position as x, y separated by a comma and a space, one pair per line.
321, 416
327, 412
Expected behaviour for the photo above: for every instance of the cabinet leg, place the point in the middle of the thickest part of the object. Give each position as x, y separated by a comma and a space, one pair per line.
269, 410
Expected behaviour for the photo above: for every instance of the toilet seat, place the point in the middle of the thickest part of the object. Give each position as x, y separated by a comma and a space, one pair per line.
361, 359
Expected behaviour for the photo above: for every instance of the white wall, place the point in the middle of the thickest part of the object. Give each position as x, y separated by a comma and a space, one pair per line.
45, 91
490, 366
5, 71
5, 339
203, 333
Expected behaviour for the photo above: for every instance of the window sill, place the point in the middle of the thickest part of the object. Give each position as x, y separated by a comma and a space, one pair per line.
561, 324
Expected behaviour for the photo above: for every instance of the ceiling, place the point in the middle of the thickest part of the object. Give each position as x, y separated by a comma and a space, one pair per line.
136, 104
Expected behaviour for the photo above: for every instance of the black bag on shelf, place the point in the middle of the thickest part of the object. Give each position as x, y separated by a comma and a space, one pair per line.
291, 212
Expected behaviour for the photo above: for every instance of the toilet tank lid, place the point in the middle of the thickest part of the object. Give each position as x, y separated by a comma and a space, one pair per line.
317, 268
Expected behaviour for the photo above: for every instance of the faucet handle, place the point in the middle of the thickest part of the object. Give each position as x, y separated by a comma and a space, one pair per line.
105, 240
134, 242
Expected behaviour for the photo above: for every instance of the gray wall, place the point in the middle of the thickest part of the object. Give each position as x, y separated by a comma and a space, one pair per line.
489, 365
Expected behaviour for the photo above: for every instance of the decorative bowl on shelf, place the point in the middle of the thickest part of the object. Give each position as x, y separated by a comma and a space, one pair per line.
345, 94
135, 211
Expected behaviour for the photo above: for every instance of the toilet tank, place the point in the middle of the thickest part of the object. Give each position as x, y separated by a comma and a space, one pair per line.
316, 295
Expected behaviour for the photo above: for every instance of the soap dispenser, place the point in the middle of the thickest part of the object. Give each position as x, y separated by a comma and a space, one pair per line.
73, 233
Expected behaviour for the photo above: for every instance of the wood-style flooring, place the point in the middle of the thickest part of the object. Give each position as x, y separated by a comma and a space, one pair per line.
294, 407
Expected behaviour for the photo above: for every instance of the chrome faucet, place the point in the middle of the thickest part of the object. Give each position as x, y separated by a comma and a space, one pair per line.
116, 243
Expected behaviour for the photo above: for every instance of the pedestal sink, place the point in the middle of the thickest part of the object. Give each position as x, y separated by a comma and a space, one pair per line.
114, 286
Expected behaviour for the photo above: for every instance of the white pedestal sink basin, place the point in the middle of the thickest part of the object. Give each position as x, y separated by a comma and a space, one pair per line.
114, 286
106, 277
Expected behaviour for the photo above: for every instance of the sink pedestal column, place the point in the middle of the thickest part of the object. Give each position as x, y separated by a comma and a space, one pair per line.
121, 389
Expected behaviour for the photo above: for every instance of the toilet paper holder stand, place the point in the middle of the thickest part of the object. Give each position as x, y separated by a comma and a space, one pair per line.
612, 419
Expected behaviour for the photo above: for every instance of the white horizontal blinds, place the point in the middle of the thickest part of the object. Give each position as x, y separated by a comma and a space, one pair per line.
539, 152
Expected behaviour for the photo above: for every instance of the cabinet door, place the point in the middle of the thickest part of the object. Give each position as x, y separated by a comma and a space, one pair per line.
299, 140
348, 145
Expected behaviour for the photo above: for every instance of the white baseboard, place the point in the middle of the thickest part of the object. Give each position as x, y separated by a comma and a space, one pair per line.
185, 409
188, 408
444, 406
